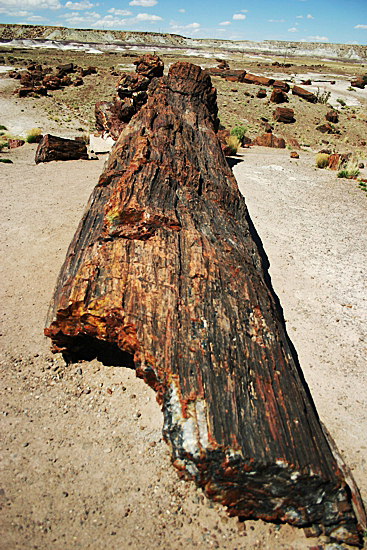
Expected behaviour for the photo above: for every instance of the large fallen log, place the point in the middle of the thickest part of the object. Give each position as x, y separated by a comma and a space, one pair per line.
164, 275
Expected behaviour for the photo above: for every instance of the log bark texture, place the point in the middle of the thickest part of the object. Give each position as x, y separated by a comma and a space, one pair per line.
164, 275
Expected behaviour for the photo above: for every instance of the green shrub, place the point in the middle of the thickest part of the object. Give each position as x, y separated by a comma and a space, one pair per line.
239, 132
322, 97
32, 135
341, 101
2, 127
322, 160
6, 161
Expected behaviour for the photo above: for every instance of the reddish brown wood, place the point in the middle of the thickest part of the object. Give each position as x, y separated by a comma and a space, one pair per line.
165, 274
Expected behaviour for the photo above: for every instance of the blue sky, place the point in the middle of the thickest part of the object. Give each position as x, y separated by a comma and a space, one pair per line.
343, 21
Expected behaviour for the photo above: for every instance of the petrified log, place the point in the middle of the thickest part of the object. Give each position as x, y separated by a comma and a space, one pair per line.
278, 96
260, 80
57, 148
269, 140
281, 85
284, 114
164, 275
304, 94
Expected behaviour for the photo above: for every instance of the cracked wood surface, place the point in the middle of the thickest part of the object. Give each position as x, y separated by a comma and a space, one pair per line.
165, 275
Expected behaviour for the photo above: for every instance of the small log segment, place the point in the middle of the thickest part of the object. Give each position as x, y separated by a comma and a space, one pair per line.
164, 276
57, 148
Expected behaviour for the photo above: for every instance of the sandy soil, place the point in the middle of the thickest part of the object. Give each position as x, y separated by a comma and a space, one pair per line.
83, 461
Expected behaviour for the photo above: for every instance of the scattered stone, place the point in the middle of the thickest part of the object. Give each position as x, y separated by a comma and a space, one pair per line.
56, 148
261, 93
294, 155
306, 82
278, 96
358, 82
361, 165
332, 116
284, 114
304, 94
78, 81
327, 129
14, 143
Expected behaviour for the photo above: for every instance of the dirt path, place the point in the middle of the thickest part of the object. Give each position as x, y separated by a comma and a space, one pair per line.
84, 465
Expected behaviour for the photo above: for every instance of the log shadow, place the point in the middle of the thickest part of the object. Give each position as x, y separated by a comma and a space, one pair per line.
265, 264
87, 348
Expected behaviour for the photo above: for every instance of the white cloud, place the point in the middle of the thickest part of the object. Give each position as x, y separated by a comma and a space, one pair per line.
309, 16
37, 18
299, 16
318, 38
244, 11
15, 13
31, 4
360, 27
224, 23
182, 11
221, 30
238, 16
147, 17
144, 3
119, 12
84, 5
293, 29
193, 27
276, 20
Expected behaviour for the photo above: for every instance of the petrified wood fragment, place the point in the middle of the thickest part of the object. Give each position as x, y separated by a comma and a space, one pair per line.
304, 94
164, 275
57, 148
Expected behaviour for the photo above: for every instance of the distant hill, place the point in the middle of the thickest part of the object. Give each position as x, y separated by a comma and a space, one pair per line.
109, 40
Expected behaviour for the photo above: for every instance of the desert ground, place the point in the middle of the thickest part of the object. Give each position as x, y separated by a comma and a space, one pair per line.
83, 460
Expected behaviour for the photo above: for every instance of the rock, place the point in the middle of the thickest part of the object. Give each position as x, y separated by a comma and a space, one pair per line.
26, 79
327, 129
294, 155
293, 142
149, 65
24, 92
283, 114
269, 140
278, 96
259, 80
306, 82
358, 82
107, 119
129, 84
56, 148
337, 161
261, 93
164, 275
223, 65
267, 127
125, 109
332, 116
14, 74
66, 68
52, 82
304, 94
14, 143
281, 85
78, 81
66, 80
361, 165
